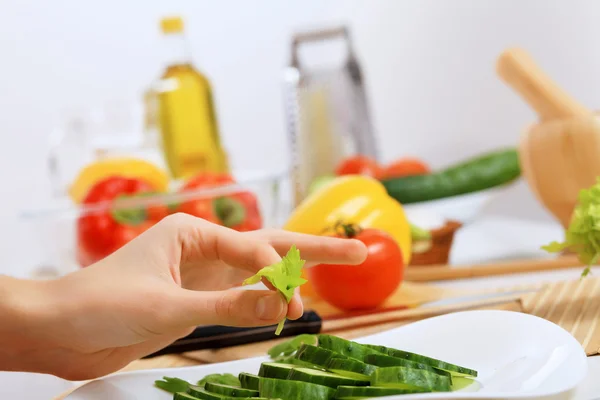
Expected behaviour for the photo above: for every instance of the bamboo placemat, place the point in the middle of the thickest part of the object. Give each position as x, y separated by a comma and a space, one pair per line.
574, 305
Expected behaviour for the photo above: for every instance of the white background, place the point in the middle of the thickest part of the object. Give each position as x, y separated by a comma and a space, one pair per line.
429, 67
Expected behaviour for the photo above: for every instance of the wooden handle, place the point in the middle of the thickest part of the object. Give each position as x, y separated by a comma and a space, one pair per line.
517, 69
446, 272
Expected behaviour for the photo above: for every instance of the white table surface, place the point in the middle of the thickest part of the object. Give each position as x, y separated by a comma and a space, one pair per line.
491, 238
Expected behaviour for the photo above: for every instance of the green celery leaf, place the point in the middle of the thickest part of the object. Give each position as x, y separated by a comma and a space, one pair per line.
285, 276
172, 385
223, 379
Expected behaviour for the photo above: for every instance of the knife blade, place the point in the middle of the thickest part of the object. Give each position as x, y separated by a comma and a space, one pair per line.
218, 337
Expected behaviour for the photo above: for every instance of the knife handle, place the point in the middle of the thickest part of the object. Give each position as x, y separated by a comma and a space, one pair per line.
218, 337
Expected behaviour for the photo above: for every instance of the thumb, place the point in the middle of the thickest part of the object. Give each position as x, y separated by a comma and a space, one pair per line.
229, 308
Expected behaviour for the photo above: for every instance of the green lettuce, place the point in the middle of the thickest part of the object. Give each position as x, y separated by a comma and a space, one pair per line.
583, 234
285, 276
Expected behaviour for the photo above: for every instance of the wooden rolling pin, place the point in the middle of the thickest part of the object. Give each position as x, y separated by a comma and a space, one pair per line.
522, 74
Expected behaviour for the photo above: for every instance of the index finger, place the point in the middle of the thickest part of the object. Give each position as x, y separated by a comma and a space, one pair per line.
317, 249
199, 241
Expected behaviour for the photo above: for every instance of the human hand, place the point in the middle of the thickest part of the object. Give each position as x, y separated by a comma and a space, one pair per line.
153, 291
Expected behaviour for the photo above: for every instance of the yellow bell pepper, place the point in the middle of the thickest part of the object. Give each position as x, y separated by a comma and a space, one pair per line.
352, 199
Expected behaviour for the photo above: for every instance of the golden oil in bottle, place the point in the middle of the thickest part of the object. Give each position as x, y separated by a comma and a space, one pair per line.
186, 113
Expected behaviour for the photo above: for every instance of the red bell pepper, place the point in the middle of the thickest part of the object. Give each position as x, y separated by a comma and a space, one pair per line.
101, 232
239, 210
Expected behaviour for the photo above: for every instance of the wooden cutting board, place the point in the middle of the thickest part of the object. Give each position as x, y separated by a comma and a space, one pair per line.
408, 295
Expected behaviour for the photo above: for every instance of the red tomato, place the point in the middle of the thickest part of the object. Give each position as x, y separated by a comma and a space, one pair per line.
364, 286
238, 210
359, 165
101, 232
405, 167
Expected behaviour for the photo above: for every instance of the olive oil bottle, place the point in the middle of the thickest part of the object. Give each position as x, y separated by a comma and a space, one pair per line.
186, 116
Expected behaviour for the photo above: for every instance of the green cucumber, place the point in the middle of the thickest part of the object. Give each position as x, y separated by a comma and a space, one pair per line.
249, 381
455, 370
325, 378
315, 355
183, 396
345, 347
201, 393
231, 391
351, 368
275, 370
480, 173
354, 392
226, 379
410, 378
381, 360
294, 390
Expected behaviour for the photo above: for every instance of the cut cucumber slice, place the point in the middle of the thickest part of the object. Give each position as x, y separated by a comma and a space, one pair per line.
275, 370
345, 347
249, 381
410, 378
383, 361
201, 393
231, 391
462, 382
315, 355
456, 370
183, 396
325, 378
299, 363
353, 392
351, 368
294, 390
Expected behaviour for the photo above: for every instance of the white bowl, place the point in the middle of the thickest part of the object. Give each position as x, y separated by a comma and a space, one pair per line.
464, 208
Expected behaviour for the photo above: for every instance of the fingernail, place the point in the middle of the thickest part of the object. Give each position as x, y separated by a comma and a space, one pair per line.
269, 307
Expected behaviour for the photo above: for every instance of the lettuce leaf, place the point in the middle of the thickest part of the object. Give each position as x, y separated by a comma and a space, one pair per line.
583, 234
285, 276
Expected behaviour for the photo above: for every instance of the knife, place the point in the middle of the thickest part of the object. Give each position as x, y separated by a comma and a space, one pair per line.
218, 337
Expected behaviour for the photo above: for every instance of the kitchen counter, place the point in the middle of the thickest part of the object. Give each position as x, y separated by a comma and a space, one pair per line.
489, 239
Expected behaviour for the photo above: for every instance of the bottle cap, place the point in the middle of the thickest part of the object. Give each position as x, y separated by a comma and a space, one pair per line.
171, 25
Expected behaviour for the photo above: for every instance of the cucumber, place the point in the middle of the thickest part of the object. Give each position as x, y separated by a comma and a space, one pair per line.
231, 391
325, 378
345, 347
299, 363
480, 173
249, 381
388, 361
315, 355
455, 370
198, 392
410, 378
351, 368
294, 390
275, 370
353, 392
183, 396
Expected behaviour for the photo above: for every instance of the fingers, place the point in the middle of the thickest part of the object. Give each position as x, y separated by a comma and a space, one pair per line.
319, 249
230, 308
295, 308
201, 241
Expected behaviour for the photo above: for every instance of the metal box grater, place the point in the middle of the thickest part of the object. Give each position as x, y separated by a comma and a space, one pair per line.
327, 113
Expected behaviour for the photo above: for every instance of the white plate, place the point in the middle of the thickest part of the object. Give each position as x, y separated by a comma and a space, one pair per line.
517, 356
